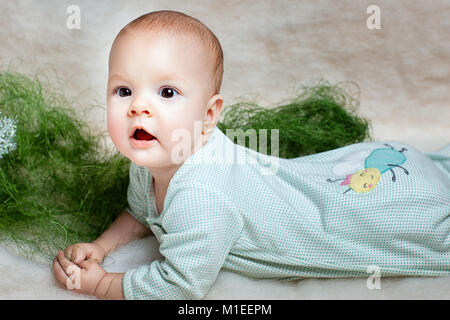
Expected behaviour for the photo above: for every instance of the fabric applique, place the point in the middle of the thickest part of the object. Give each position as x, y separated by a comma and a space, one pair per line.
374, 164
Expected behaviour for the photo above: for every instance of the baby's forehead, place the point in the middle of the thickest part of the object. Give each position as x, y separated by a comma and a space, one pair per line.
178, 43
185, 40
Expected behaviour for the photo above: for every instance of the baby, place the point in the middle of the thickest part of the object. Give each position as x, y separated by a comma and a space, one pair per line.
333, 214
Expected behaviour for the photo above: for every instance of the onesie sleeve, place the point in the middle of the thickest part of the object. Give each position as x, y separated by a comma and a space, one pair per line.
136, 194
200, 225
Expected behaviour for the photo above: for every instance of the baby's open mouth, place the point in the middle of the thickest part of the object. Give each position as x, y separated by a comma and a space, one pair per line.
140, 134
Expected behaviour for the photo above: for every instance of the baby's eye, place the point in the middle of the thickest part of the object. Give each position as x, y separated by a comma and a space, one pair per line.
168, 92
122, 92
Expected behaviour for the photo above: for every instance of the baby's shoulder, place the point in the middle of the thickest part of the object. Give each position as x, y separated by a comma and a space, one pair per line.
204, 174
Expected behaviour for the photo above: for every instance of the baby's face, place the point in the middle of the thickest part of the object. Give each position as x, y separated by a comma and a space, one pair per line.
160, 84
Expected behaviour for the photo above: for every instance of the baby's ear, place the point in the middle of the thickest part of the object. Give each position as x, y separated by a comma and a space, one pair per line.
213, 110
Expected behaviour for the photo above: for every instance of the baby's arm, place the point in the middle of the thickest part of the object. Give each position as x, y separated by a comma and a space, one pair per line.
199, 228
124, 229
110, 287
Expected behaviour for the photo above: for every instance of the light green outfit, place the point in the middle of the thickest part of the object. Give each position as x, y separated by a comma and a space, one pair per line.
281, 219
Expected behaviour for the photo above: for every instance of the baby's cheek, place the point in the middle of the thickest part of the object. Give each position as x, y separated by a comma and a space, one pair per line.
116, 130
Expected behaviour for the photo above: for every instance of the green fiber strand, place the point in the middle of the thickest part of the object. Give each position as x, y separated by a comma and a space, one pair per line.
57, 187
320, 118
64, 228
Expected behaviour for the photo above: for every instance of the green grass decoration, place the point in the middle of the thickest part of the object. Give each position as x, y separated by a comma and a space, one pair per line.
321, 118
56, 188
59, 187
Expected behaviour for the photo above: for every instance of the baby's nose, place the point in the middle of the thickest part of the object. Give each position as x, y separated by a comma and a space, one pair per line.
138, 110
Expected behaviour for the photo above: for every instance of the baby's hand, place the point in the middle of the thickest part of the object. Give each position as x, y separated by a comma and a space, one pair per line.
85, 251
83, 278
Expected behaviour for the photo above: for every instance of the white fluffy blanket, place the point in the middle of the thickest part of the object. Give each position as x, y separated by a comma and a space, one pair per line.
24, 279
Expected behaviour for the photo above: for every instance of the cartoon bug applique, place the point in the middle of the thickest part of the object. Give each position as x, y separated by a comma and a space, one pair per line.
377, 162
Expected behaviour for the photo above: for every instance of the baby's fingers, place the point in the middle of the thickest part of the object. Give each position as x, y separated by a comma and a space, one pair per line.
66, 273
69, 251
60, 274
64, 262
78, 254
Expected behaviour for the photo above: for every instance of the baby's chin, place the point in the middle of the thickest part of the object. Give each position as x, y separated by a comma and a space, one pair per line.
150, 161
141, 159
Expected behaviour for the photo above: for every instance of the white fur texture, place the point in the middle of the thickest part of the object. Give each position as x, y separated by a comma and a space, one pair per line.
271, 48
23, 279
